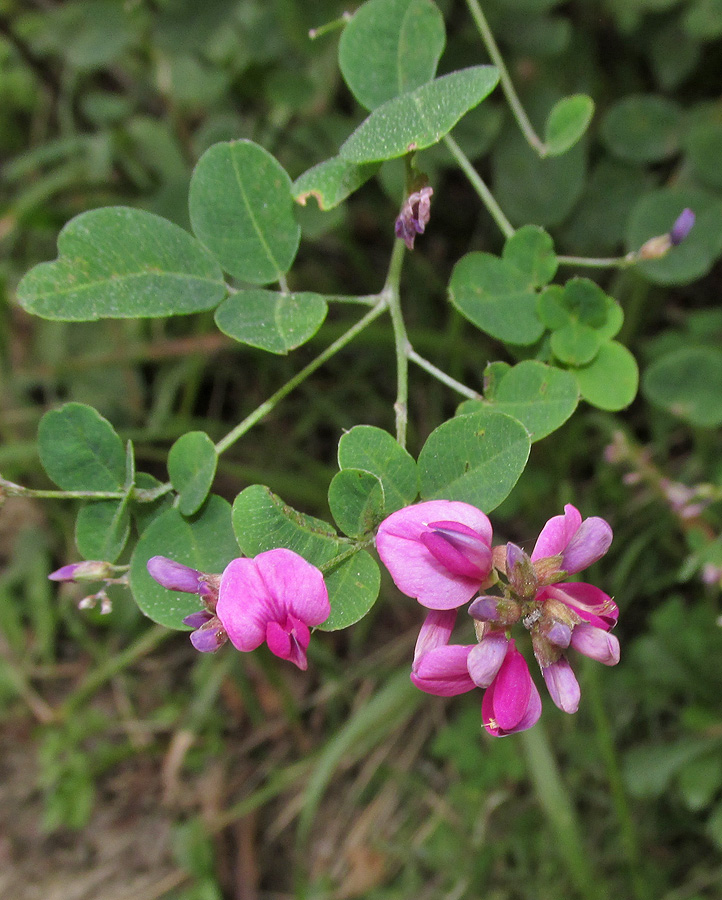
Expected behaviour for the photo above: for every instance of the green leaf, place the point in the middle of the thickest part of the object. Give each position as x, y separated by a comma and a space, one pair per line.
356, 501
655, 214
568, 120
192, 464
271, 321
476, 458
609, 382
530, 189
241, 209
531, 250
650, 768
420, 118
262, 521
541, 397
700, 781
331, 182
586, 302
575, 344
642, 128
102, 529
353, 587
687, 383
375, 450
496, 297
204, 541
122, 263
704, 151
80, 450
390, 47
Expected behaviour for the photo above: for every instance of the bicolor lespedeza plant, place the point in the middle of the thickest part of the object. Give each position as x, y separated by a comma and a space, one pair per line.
255, 571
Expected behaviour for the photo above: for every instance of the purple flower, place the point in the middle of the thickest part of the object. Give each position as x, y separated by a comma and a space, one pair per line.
90, 570
174, 575
682, 227
414, 216
511, 702
579, 543
274, 597
438, 552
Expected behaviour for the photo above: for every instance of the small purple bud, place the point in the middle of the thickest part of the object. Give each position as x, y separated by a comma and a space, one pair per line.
682, 227
414, 216
500, 610
559, 633
209, 637
562, 685
174, 575
92, 570
596, 644
520, 572
197, 619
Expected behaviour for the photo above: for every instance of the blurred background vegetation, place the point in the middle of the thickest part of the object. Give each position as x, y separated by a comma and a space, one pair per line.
133, 767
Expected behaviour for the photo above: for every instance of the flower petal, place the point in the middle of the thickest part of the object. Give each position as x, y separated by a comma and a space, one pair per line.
588, 601
415, 571
174, 575
486, 658
557, 533
289, 642
596, 643
435, 632
589, 544
511, 690
297, 586
530, 717
443, 671
563, 685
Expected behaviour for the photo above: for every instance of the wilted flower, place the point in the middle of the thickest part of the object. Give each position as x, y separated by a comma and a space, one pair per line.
438, 552
414, 216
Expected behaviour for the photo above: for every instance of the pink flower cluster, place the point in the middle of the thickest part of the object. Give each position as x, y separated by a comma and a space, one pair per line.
440, 553
275, 597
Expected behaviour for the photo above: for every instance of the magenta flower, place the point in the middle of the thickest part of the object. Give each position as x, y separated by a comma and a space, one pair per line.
438, 552
274, 597
511, 702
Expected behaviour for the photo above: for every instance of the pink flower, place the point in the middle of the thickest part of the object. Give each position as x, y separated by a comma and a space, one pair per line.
579, 543
438, 552
511, 702
275, 597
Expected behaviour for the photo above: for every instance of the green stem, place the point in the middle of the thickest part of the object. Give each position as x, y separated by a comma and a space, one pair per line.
558, 809
301, 376
441, 376
512, 98
627, 832
602, 262
487, 198
11, 489
401, 340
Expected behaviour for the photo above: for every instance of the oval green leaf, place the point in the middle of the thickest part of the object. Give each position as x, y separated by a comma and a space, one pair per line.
609, 382
643, 128
80, 450
541, 397
375, 450
331, 182
531, 250
192, 464
205, 542
122, 263
476, 458
575, 344
420, 118
262, 521
688, 384
102, 529
356, 501
241, 209
568, 120
496, 297
390, 47
271, 321
353, 587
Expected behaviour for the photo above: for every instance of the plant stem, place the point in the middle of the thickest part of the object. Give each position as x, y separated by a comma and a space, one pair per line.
301, 376
512, 98
11, 489
441, 376
558, 809
487, 198
401, 340
627, 832
602, 262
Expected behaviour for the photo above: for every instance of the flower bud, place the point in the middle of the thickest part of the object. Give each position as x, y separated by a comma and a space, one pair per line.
520, 572
562, 685
499, 610
91, 570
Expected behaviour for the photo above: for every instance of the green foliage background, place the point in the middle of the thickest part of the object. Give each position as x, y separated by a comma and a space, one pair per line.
361, 785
